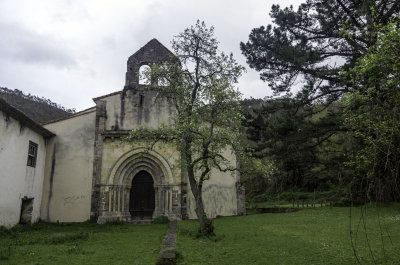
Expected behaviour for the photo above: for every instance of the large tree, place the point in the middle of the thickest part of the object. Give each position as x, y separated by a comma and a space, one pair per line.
372, 112
308, 48
201, 86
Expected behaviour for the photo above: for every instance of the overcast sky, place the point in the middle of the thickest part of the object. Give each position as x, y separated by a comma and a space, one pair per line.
71, 51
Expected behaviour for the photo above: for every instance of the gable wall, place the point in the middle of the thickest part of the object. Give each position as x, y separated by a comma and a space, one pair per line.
123, 111
69, 169
18, 180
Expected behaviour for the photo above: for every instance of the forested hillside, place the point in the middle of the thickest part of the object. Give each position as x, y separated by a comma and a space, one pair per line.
296, 153
39, 109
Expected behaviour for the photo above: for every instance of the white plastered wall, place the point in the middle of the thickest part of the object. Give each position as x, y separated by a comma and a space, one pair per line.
219, 192
18, 180
69, 169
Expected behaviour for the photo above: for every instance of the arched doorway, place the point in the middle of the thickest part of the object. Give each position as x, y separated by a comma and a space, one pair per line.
142, 196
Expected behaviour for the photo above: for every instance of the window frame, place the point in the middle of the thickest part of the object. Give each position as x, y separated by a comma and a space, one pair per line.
32, 154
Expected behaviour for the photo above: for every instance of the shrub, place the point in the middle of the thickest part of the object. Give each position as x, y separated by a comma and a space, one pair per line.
161, 220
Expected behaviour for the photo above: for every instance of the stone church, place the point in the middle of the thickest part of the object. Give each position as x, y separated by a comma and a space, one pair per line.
86, 170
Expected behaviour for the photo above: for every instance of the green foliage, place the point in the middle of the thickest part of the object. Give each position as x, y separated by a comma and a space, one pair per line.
315, 43
302, 148
315, 51
333, 195
257, 174
372, 112
161, 220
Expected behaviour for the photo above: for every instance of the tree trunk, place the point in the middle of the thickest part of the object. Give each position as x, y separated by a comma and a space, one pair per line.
206, 226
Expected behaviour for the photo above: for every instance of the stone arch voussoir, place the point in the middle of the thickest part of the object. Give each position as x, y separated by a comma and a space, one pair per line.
130, 163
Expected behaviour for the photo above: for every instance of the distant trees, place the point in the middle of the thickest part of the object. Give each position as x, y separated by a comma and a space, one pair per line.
307, 151
310, 57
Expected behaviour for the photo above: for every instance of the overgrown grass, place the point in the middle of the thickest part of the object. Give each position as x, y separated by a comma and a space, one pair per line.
309, 236
84, 243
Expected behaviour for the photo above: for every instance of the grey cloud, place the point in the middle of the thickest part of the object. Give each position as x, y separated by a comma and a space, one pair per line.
109, 43
20, 44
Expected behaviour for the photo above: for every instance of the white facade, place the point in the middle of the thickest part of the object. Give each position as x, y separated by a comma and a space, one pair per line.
18, 181
69, 169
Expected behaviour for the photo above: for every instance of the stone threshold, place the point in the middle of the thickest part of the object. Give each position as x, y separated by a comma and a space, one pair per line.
141, 221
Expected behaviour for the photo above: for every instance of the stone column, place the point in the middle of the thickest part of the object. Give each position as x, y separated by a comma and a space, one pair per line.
156, 203
105, 204
126, 197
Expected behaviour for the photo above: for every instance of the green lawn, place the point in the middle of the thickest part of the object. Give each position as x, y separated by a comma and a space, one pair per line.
82, 244
309, 236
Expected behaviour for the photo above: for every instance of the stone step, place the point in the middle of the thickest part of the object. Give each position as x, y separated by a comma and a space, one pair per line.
141, 221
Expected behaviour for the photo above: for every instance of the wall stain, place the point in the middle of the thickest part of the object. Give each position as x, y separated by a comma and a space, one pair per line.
53, 164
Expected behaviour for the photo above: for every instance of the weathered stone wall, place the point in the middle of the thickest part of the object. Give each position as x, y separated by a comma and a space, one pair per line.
117, 114
121, 161
142, 106
17, 180
136, 108
69, 169
116, 161
152, 52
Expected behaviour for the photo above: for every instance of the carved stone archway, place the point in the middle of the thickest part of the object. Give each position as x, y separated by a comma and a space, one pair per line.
115, 193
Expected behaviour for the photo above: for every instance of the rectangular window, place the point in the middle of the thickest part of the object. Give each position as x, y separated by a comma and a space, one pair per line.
32, 154
141, 100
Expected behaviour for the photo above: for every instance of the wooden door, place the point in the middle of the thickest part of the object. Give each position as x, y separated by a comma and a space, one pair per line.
142, 197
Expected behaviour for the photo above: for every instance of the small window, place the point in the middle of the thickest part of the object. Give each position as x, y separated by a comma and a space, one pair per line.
141, 100
32, 154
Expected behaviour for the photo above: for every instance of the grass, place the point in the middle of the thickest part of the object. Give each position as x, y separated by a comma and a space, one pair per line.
308, 236
84, 243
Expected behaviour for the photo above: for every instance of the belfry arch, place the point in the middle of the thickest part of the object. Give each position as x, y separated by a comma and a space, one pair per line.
117, 204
